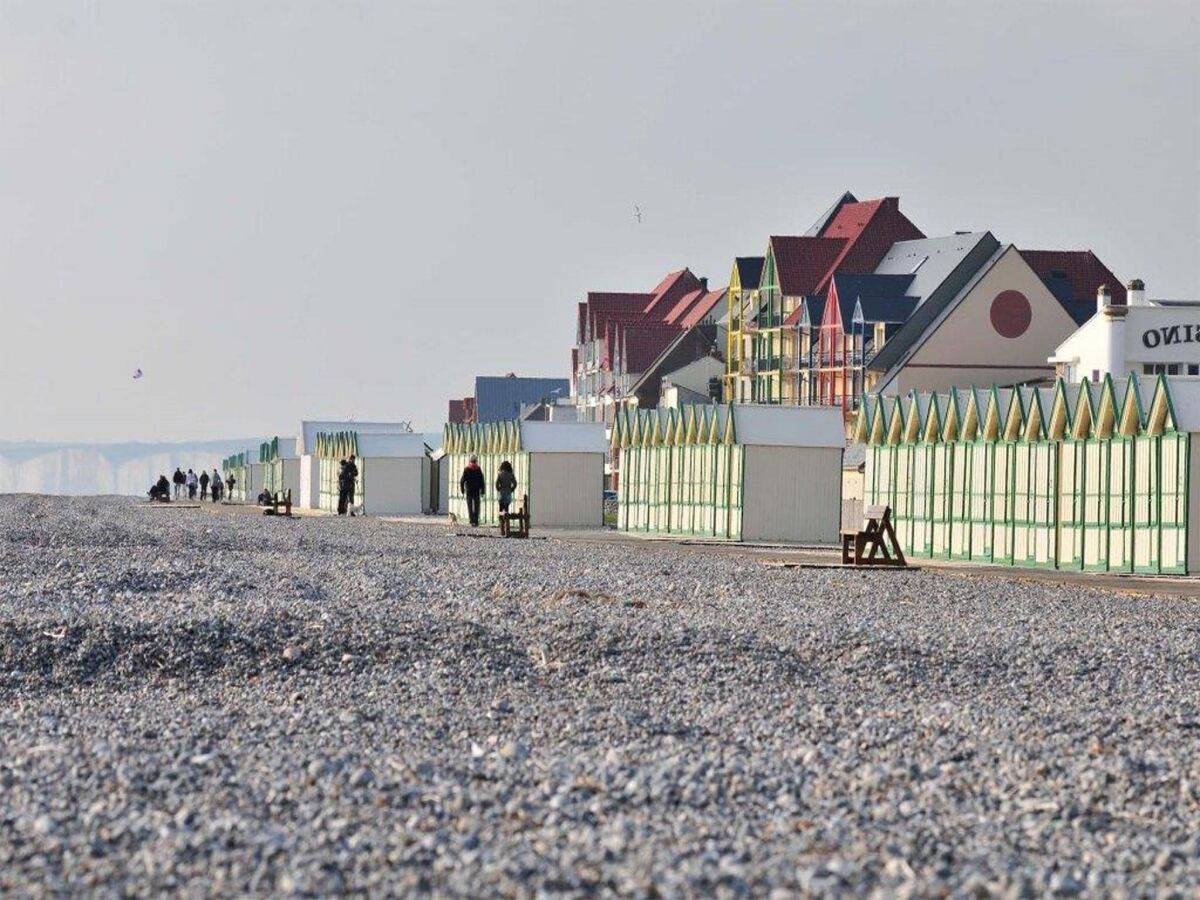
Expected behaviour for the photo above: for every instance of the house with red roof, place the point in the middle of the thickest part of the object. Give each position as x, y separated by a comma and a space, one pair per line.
619, 334
851, 238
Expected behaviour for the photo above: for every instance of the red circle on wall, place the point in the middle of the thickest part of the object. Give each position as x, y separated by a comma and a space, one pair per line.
1011, 314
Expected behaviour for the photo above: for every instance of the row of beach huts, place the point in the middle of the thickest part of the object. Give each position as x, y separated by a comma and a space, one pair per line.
1089, 476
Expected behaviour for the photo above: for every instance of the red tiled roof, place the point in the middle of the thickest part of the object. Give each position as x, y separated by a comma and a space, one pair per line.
702, 307
1082, 268
642, 344
668, 291
681, 307
869, 228
866, 231
801, 262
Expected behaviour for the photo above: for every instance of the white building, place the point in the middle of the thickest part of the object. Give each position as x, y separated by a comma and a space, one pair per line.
306, 449
1145, 337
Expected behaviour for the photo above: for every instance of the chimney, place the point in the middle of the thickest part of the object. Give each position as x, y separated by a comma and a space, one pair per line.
704, 284
1136, 293
1114, 333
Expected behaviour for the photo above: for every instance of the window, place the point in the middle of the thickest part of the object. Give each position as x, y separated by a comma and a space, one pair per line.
1147, 369
1193, 369
1173, 369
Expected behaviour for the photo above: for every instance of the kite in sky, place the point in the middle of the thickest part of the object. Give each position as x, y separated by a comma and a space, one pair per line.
137, 373
637, 213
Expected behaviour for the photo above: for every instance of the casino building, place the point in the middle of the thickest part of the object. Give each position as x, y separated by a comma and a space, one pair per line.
1142, 336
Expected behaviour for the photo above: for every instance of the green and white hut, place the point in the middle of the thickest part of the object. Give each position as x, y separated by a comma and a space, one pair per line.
247, 473
310, 462
393, 471
558, 465
281, 466
1093, 476
739, 472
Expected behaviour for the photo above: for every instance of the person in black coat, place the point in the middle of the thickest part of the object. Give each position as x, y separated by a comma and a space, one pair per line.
180, 480
347, 476
472, 485
203, 484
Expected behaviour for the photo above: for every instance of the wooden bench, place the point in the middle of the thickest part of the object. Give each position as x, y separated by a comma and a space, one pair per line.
516, 524
877, 533
278, 499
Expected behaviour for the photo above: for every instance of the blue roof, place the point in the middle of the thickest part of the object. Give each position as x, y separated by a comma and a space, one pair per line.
499, 397
876, 293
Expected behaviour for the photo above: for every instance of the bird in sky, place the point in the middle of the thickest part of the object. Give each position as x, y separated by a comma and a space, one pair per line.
137, 373
637, 213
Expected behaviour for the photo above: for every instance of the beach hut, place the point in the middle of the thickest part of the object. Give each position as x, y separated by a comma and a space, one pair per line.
281, 466
248, 473
1094, 476
558, 465
739, 472
310, 462
393, 471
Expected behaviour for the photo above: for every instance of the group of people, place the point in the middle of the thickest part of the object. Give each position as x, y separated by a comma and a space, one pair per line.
472, 484
212, 486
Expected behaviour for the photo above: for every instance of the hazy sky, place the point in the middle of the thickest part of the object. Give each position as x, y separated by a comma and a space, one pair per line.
305, 209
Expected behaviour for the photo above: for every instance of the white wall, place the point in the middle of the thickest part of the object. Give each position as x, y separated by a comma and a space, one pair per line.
792, 494
310, 481
566, 490
291, 477
394, 486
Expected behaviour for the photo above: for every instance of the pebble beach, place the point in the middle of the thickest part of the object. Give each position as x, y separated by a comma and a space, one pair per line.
198, 703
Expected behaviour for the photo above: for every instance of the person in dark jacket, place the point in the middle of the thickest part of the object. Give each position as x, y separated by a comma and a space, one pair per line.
506, 485
347, 476
161, 490
230, 481
203, 484
472, 485
180, 480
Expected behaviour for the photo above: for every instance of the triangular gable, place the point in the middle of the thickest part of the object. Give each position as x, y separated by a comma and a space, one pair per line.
1059, 422
879, 422
972, 416
1161, 417
953, 417
895, 432
932, 426
1132, 418
862, 420
912, 418
1085, 412
730, 436
1014, 416
1107, 409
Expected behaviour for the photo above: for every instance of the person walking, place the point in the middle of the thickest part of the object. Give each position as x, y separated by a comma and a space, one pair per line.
180, 481
192, 483
217, 484
230, 481
472, 485
506, 485
347, 476
203, 484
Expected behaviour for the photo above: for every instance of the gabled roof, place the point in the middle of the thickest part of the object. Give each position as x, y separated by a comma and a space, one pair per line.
682, 306
640, 345
813, 306
874, 291
941, 268
702, 307
818, 227
887, 310
668, 291
869, 229
749, 269
801, 263
1073, 277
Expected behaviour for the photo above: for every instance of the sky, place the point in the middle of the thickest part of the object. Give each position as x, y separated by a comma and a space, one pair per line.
301, 209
